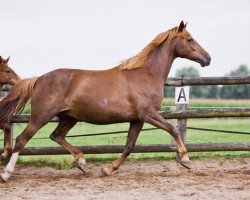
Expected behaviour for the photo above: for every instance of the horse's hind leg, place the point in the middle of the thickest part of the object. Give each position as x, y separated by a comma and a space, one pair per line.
58, 135
8, 143
134, 130
154, 118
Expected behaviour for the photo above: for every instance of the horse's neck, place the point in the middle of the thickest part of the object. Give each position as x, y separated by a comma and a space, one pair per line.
160, 60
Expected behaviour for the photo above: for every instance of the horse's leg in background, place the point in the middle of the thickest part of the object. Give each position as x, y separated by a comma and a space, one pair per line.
134, 130
58, 135
153, 117
8, 143
21, 141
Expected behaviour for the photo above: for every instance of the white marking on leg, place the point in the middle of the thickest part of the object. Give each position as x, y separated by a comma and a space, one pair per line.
10, 167
81, 161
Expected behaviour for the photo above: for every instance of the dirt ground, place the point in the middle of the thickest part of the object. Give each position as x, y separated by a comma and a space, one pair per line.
136, 179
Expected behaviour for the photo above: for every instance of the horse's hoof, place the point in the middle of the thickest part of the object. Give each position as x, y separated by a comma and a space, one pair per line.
81, 168
105, 172
4, 177
186, 164
177, 158
2, 180
81, 163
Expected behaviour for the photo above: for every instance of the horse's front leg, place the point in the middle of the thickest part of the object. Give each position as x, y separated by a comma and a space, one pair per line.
134, 130
21, 141
5, 156
151, 116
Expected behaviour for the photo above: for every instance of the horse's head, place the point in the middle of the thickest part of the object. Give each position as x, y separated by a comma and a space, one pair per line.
7, 75
187, 47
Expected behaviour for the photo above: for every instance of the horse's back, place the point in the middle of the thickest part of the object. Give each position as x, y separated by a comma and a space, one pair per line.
92, 96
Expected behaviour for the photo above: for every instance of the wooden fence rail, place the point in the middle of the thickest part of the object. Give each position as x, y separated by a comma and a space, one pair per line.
101, 149
232, 80
186, 114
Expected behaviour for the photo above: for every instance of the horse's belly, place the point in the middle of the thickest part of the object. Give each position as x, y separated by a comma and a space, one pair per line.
99, 114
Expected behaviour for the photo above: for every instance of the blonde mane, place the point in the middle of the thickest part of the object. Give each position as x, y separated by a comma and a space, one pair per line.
139, 59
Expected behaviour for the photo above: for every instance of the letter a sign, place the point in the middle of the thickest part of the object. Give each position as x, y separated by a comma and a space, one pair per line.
182, 95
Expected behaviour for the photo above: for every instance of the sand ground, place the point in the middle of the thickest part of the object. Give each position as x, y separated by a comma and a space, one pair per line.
136, 179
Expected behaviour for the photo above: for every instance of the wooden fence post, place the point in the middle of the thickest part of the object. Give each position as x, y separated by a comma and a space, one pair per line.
173, 122
181, 127
181, 99
182, 123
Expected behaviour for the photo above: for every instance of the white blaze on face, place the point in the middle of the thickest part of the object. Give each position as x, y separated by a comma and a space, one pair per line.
10, 167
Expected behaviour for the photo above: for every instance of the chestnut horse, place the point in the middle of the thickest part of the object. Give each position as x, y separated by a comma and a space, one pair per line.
7, 76
130, 92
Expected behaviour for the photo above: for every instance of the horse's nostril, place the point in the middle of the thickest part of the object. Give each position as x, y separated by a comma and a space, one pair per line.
209, 58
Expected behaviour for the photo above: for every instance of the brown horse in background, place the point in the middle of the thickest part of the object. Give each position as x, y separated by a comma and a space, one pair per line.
131, 92
7, 76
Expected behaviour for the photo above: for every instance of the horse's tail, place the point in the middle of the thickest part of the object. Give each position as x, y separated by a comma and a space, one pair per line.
13, 104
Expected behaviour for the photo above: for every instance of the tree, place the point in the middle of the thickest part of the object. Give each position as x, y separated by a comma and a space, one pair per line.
168, 91
236, 91
185, 72
210, 91
195, 91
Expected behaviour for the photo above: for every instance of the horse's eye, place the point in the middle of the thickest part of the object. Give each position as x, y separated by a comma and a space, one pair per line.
7, 71
190, 39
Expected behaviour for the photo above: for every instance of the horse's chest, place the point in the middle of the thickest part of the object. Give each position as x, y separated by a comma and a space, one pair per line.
154, 98
156, 102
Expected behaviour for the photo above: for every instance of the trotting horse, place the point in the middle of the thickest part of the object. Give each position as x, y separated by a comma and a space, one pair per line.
7, 76
130, 92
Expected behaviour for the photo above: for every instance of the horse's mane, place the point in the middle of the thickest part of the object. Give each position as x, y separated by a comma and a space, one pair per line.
138, 60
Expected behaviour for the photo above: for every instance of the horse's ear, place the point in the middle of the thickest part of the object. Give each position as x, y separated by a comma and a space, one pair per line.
1, 59
181, 27
185, 25
7, 60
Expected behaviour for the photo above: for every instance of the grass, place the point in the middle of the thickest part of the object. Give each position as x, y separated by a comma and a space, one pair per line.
237, 124
150, 137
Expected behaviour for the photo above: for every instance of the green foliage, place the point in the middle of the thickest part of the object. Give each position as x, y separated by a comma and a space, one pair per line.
213, 91
59, 162
241, 71
26, 109
169, 91
236, 91
195, 91
187, 72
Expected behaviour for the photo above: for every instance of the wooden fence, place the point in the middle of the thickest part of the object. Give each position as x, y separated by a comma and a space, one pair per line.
181, 114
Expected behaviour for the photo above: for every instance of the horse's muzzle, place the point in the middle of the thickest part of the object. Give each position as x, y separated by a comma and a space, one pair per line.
205, 60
